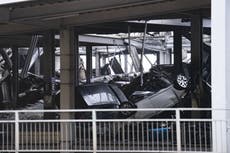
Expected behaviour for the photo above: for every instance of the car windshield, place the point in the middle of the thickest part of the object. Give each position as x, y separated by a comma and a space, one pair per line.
98, 95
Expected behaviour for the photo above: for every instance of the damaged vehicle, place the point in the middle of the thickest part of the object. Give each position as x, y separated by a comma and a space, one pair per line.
100, 96
162, 88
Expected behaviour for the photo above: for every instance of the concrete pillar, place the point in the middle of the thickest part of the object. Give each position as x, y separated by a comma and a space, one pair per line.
177, 47
68, 47
15, 76
220, 72
68, 68
196, 56
228, 56
98, 63
88, 63
48, 69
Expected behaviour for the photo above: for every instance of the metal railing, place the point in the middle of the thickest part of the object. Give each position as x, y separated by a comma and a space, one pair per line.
174, 130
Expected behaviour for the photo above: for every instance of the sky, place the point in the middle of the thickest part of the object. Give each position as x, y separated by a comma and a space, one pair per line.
11, 1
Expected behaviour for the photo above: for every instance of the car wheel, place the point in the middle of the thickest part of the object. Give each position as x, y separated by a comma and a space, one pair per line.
182, 81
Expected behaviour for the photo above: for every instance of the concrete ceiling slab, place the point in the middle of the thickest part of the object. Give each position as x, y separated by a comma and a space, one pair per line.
42, 15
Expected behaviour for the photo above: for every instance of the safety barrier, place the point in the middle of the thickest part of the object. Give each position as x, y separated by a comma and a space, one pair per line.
172, 130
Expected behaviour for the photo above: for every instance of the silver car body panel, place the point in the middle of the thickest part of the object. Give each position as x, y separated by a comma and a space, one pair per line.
165, 98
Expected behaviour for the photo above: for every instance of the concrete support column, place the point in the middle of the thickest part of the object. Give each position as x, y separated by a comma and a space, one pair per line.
196, 56
48, 69
15, 76
88, 63
68, 68
177, 47
98, 63
68, 46
227, 51
220, 72
228, 56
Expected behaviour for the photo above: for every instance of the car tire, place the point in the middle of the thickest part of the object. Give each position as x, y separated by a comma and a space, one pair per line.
182, 82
